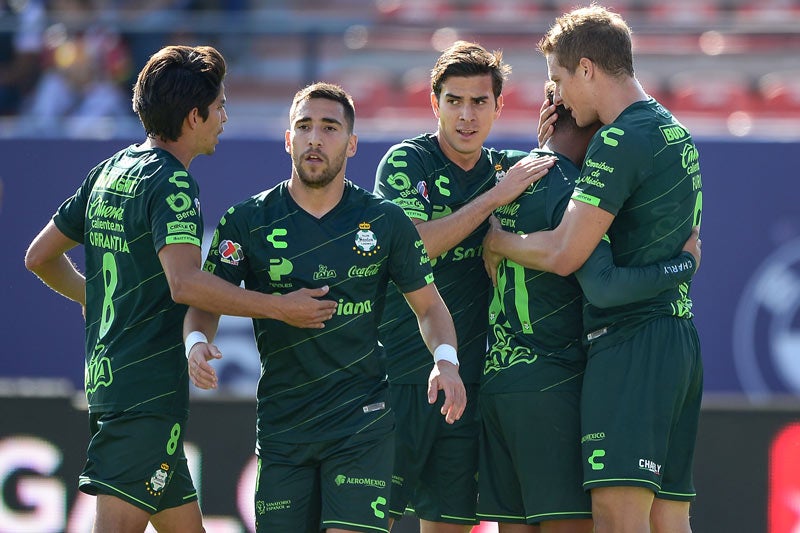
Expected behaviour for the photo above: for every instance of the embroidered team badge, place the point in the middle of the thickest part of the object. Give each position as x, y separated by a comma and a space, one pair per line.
230, 252
499, 173
366, 241
157, 481
422, 188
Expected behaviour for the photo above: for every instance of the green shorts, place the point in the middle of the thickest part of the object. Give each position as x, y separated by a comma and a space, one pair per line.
530, 457
343, 483
139, 458
436, 463
640, 410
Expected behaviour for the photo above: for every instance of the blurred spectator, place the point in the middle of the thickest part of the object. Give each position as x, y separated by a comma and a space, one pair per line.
87, 74
20, 50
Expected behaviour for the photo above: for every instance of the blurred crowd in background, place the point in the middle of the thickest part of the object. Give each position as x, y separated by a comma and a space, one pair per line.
727, 68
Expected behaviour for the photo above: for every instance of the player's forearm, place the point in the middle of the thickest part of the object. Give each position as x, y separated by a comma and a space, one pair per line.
539, 251
60, 274
443, 234
436, 327
202, 321
211, 293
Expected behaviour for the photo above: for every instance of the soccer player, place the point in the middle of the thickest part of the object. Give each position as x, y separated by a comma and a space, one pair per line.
325, 424
640, 183
448, 183
138, 216
530, 465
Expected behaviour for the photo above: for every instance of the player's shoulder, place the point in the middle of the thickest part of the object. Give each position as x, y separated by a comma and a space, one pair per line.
368, 201
423, 145
259, 202
646, 122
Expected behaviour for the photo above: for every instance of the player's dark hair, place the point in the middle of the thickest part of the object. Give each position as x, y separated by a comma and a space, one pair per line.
594, 33
565, 119
328, 91
465, 59
175, 80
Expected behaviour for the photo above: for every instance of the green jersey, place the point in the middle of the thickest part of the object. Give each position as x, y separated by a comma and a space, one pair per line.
644, 169
126, 210
535, 317
321, 384
418, 177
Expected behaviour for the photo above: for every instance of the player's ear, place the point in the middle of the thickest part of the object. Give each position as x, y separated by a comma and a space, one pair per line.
435, 104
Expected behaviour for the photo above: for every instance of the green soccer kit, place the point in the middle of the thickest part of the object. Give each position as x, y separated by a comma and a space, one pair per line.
126, 210
137, 386
530, 460
418, 177
644, 169
321, 384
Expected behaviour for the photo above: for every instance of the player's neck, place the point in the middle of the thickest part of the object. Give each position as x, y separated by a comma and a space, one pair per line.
617, 96
176, 148
316, 201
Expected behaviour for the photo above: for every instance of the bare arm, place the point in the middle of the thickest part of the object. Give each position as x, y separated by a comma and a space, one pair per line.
444, 233
561, 251
192, 286
436, 327
46, 257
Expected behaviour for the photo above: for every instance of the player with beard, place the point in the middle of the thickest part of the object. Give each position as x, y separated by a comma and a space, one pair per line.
325, 430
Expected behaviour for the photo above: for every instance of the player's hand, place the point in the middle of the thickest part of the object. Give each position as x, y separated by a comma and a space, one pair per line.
201, 373
303, 309
519, 177
547, 120
444, 377
491, 260
693, 246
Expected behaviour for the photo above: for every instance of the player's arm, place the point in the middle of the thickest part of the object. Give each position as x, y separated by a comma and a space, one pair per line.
47, 258
439, 334
192, 286
606, 285
199, 330
561, 251
442, 234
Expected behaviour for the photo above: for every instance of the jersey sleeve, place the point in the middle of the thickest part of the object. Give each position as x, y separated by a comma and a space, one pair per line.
70, 218
606, 285
174, 211
615, 165
409, 266
227, 257
400, 178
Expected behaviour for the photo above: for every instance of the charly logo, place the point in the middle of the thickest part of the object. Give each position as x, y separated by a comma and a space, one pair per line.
766, 332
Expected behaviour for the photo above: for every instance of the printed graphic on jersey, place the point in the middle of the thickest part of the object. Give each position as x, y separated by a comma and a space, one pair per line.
502, 355
230, 252
422, 188
98, 371
324, 273
366, 241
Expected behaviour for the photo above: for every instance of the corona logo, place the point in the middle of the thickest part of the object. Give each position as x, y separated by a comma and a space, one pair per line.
364, 226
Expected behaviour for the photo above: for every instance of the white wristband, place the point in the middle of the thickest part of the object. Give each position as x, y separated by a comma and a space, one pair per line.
192, 339
445, 352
